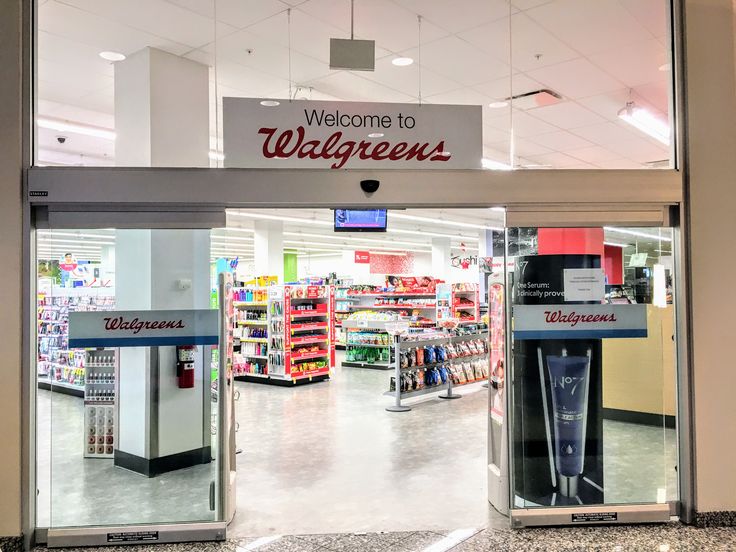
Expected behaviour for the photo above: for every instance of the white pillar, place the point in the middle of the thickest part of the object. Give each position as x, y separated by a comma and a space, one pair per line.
161, 119
441, 249
268, 248
161, 111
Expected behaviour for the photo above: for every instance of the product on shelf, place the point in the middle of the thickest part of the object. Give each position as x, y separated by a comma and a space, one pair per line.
56, 363
99, 403
438, 357
290, 336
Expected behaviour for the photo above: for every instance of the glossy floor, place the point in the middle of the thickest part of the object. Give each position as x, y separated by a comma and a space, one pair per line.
327, 457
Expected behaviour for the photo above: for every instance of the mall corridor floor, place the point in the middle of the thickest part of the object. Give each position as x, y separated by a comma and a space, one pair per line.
671, 537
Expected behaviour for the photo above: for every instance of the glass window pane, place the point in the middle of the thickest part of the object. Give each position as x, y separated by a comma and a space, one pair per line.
593, 366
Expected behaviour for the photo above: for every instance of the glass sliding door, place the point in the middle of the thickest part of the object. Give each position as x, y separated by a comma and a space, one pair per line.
127, 367
592, 366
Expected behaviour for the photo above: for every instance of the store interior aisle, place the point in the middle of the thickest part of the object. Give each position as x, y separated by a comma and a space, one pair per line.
329, 457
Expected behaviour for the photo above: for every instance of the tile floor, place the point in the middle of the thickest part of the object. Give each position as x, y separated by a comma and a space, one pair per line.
326, 458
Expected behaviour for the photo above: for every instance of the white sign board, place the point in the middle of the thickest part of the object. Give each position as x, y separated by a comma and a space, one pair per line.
143, 328
584, 284
260, 133
579, 321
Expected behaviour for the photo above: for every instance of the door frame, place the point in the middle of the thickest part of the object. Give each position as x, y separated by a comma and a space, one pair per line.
142, 195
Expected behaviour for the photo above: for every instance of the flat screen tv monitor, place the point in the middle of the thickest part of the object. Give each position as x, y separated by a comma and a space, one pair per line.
360, 220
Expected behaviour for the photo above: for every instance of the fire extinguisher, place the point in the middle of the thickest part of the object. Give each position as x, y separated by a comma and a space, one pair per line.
185, 365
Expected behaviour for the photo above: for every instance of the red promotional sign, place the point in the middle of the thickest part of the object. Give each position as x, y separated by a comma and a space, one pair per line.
362, 257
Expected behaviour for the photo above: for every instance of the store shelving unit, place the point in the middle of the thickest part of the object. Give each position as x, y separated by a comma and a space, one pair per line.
299, 333
343, 304
368, 344
250, 335
419, 307
100, 389
470, 365
59, 368
465, 302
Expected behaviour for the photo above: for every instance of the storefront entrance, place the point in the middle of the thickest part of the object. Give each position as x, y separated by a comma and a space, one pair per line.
332, 447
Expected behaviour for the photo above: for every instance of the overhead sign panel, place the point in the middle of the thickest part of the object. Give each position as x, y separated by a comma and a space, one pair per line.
261, 133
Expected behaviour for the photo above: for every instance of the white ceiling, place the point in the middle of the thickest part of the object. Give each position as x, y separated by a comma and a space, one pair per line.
598, 54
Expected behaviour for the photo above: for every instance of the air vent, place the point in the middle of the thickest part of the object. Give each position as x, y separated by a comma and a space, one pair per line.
536, 98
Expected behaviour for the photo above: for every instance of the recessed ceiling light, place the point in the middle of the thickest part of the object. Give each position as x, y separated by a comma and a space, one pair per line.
112, 56
665, 67
375, 135
270, 103
498, 105
402, 61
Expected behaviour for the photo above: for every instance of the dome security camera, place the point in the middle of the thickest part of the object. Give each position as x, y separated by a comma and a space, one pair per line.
61, 139
369, 186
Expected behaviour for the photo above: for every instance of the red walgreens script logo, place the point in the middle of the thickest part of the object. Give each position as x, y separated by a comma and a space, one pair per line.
135, 325
290, 143
573, 319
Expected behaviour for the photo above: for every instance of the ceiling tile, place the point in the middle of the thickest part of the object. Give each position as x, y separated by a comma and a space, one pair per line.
266, 57
652, 14
460, 61
455, 18
157, 17
61, 75
555, 159
62, 50
406, 79
622, 164
92, 30
627, 143
352, 87
635, 64
390, 25
561, 141
527, 148
529, 40
592, 154
608, 105
249, 81
309, 35
566, 115
590, 27
657, 94
460, 96
492, 38
526, 125
493, 135
499, 89
575, 79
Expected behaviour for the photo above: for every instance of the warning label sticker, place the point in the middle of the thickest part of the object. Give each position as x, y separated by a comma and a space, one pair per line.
591, 517
132, 536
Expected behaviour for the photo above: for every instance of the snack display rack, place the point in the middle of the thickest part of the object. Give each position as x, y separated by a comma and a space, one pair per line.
60, 368
369, 345
465, 302
430, 364
99, 403
299, 333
